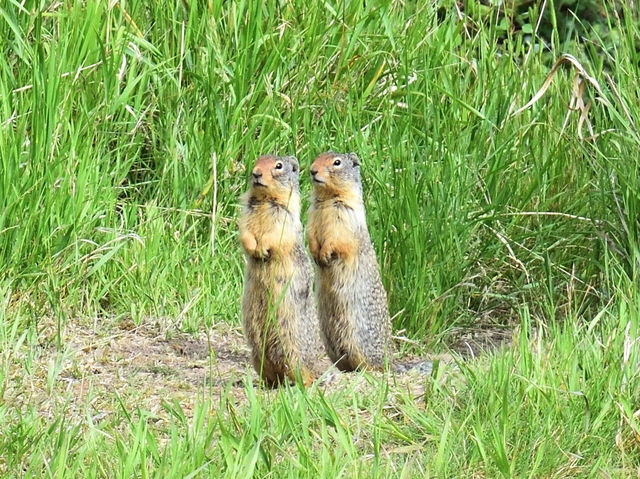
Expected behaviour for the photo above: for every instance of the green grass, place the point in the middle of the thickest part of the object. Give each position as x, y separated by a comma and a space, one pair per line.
111, 115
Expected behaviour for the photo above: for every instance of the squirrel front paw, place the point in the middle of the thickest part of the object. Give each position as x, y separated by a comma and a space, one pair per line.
249, 243
326, 255
262, 253
314, 247
252, 248
334, 250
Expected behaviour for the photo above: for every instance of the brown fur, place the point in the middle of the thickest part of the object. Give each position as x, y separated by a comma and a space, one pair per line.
278, 308
352, 303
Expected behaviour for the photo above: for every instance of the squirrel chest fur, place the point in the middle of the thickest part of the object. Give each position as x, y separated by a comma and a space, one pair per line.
278, 308
352, 303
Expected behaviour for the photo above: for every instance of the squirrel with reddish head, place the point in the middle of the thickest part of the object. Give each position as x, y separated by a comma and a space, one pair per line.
352, 303
278, 307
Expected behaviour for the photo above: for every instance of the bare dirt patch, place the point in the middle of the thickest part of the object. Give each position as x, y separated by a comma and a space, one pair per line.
100, 370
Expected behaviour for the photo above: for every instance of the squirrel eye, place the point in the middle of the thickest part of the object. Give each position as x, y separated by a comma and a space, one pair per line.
337, 162
279, 165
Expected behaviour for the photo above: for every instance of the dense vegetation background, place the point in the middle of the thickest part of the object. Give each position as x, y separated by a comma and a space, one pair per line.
126, 134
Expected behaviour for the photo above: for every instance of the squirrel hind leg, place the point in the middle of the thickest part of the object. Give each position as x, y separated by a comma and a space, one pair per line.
308, 378
267, 372
356, 361
350, 362
345, 365
301, 374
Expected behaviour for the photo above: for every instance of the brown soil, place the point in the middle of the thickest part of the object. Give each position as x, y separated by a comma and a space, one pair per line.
101, 368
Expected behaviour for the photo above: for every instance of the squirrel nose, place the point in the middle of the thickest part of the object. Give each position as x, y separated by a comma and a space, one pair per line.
314, 172
256, 173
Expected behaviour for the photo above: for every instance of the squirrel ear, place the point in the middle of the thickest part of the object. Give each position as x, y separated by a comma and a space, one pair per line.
295, 166
353, 157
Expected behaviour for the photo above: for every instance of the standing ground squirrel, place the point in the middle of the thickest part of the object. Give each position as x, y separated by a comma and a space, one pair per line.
278, 307
352, 303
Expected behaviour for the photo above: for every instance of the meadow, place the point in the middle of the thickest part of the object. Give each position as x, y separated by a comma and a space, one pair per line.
501, 173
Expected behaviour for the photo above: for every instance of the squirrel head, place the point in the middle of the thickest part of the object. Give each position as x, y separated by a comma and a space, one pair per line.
336, 175
275, 178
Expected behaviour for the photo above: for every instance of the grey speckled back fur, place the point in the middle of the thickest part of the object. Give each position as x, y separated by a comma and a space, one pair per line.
352, 303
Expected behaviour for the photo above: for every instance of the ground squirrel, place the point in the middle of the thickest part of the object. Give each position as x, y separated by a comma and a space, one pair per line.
352, 302
278, 306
